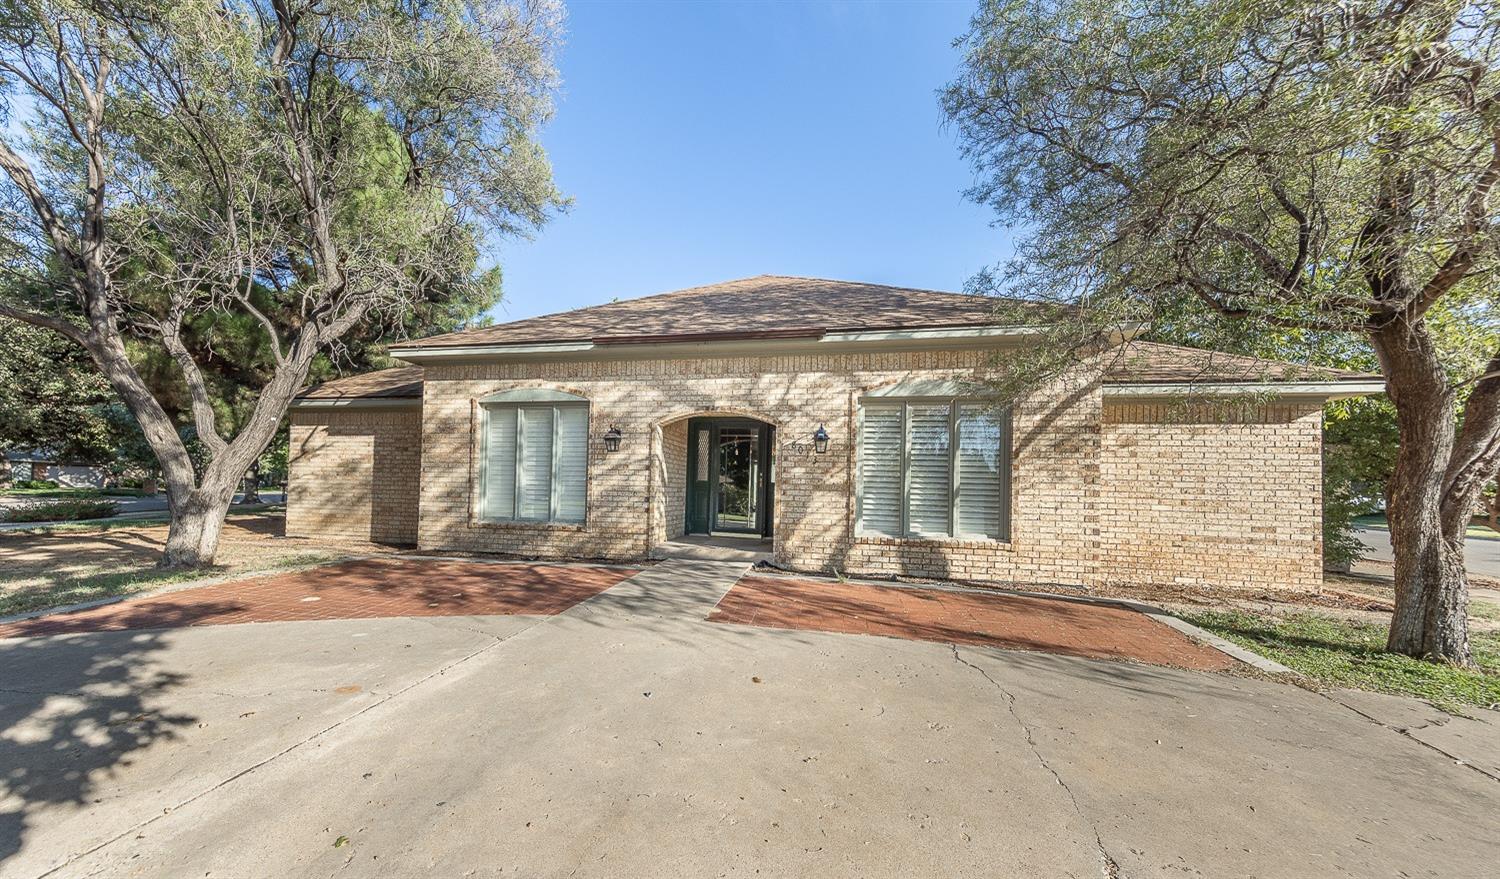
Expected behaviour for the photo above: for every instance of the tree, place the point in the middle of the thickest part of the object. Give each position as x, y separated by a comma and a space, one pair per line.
1312, 167
303, 168
51, 397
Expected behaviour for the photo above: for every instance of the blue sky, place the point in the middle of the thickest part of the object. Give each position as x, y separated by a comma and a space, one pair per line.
708, 141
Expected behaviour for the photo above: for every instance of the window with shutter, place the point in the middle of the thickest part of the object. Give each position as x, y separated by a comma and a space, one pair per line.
534, 487
880, 471
572, 463
500, 464
982, 494
534, 463
929, 501
934, 468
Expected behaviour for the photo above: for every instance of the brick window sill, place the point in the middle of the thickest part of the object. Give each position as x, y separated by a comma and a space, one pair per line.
527, 526
935, 542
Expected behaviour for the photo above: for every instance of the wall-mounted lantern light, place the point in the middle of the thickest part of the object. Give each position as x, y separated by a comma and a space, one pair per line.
612, 438
820, 440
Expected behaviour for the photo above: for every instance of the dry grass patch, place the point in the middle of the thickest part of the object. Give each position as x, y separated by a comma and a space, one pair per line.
41, 569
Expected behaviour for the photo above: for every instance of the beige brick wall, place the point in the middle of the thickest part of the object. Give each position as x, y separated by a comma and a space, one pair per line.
1102, 492
635, 494
674, 450
1212, 495
354, 474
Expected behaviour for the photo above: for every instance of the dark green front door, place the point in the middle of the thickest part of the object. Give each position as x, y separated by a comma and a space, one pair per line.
729, 476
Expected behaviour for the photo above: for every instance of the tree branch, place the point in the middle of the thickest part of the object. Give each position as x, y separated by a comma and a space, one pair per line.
202, 402
45, 321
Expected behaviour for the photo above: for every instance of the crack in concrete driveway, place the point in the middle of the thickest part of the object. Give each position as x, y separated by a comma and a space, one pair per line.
1110, 869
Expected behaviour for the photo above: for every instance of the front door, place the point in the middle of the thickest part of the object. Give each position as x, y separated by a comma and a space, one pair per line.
729, 476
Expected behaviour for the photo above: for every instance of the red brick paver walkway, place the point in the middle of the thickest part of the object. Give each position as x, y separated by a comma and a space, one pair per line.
1017, 622
349, 590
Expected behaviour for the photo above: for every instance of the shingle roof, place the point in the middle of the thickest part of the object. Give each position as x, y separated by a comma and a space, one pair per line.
766, 305
1155, 363
397, 382
1132, 363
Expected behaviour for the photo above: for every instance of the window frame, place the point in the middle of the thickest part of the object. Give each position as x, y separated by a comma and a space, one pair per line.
954, 403
555, 402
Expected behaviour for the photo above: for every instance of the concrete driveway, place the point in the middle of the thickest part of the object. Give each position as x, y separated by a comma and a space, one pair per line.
628, 736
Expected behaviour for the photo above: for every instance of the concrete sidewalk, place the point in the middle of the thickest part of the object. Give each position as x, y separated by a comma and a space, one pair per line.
627, 736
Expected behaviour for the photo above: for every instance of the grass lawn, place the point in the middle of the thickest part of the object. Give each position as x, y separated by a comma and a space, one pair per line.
41, 568
1339, 653
108, 584
73, 492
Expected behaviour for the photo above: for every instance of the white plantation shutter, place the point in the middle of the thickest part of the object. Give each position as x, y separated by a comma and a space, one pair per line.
572, 462
500, 465
928, 460
983, 472
934, 469
880, 471
534, 488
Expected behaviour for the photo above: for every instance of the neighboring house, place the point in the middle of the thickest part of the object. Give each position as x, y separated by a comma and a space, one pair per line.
41, 465
610, 432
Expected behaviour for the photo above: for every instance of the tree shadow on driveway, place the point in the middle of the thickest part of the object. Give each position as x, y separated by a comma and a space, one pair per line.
73, 712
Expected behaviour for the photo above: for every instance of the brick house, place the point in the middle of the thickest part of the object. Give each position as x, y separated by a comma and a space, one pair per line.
840, 427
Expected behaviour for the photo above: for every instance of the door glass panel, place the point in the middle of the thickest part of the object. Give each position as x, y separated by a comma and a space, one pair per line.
736, 509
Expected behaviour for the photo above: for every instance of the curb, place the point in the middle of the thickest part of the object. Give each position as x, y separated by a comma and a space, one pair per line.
65, 608
1222, 645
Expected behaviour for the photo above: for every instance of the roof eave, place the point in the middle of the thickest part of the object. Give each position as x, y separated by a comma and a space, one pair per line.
669, 347
308, 403
1325, 390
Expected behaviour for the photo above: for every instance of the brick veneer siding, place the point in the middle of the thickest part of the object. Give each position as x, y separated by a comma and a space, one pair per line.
634, 494
673, 476
1212, 495
1102, 491
354, 474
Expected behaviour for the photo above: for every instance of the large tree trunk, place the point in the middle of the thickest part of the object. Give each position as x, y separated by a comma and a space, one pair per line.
193, 537
1432, 589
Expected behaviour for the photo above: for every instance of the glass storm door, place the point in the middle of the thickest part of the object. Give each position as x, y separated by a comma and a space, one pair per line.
736, 501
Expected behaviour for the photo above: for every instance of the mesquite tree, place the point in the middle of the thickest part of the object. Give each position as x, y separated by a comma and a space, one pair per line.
1299, 166
302, 165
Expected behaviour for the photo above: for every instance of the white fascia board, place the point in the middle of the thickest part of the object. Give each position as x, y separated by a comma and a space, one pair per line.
358, 403
1330, 390
939, 333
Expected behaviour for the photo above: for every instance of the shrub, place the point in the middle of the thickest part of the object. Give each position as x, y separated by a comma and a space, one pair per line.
63, 510
35, 484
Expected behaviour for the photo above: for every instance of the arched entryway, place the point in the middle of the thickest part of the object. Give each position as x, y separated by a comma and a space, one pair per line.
729, 477
715, 483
